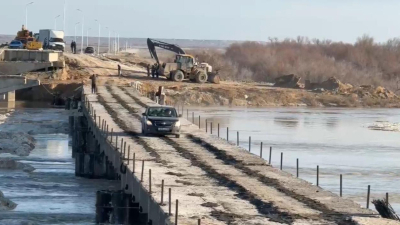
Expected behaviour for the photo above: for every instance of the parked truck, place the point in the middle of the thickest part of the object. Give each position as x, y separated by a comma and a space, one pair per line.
52, 39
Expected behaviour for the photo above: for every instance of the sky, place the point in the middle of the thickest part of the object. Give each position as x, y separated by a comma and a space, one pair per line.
255, 20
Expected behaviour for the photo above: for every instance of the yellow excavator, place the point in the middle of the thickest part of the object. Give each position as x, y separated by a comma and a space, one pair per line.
26, 38
184, 66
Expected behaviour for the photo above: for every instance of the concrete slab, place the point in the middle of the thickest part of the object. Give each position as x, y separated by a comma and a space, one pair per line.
15, 68
12, 83
32, 56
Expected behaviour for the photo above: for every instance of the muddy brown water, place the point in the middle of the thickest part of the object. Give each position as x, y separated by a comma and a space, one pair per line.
338, 140
51, 194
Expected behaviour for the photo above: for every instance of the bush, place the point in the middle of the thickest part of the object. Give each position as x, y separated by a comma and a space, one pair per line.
364, 62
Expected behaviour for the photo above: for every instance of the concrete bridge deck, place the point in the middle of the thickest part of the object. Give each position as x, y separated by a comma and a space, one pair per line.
12, 83
213, 180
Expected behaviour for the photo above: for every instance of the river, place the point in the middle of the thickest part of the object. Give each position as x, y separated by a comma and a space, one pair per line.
51, 194
338, 140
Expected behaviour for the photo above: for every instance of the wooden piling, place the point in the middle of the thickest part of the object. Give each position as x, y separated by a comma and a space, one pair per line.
368, 195
387, 199
169, 201
270, 155
141, 176
150, 181
176, 212
341, 185
249, 143
134, 162
129, 153
162, 192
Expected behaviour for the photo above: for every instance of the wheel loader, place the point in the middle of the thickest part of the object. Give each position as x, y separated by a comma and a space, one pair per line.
26, 38
184, 65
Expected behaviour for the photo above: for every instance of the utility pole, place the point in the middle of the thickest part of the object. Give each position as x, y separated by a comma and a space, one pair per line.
115, 44
55, 22
75, 29
109, 39
26, 14
87, 37
98, 42
64, 17
83, 22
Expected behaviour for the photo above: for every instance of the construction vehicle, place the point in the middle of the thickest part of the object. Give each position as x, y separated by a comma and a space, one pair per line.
27, 40
52, 39
184, 66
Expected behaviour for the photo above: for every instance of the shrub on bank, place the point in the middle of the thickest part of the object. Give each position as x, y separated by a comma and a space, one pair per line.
364, 62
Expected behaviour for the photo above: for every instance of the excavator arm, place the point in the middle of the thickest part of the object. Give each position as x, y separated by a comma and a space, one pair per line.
152, 44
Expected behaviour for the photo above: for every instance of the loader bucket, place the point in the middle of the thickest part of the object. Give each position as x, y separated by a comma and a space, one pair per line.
213, 78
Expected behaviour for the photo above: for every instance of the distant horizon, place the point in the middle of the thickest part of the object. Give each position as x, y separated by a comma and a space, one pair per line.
230, 20
79, 37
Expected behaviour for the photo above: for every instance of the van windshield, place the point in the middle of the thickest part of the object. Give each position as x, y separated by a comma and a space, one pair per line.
56, 40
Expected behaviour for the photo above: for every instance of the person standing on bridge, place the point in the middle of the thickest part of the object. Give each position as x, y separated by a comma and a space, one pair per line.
148, 70
119, 71
94, 78
72, 46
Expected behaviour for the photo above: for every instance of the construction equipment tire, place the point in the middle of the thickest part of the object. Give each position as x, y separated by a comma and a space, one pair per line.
201, 77
178, 76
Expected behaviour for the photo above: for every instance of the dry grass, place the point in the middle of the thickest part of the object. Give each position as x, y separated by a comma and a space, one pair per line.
364, 62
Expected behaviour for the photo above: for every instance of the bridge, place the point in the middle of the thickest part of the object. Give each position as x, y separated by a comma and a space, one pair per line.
196, 179
10, 83
19, 61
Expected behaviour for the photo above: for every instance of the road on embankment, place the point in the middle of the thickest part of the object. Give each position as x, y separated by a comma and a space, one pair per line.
215, 180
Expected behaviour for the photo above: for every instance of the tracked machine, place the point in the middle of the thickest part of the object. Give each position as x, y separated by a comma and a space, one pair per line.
184, 66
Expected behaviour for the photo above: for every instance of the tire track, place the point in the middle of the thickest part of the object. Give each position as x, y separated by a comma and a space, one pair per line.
327, 214
262, 206
220, 215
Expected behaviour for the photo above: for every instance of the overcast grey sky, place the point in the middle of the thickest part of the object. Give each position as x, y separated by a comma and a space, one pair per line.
339, 20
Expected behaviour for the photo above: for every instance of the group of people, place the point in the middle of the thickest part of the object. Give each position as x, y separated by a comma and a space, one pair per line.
73, 47
154, 70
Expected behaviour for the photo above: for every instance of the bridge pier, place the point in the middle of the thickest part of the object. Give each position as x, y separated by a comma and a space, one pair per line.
95, 158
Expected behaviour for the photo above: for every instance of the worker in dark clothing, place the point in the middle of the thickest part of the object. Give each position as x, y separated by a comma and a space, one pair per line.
148, 70
72, 46
93, 78
157, 68
153, 71
119, 70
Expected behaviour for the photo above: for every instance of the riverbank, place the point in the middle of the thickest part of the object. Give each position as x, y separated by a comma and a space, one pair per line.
228, 93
